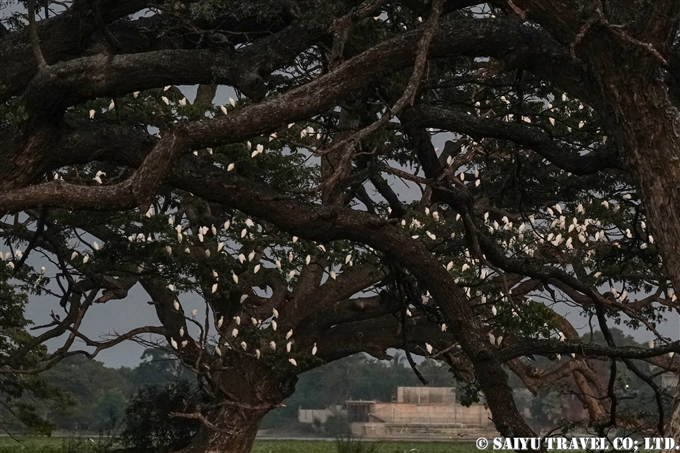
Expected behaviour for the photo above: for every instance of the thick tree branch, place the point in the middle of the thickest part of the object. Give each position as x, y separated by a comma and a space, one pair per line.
558, 153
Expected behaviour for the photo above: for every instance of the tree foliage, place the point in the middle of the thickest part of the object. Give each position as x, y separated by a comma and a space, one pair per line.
446, 177
148, 422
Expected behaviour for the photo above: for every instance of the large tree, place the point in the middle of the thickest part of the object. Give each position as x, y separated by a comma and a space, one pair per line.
559, 165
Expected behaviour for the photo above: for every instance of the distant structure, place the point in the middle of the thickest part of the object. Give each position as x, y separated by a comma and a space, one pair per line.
669, 381
318, 415
418, 413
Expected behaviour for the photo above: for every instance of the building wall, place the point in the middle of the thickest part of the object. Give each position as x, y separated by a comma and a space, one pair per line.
403, 413
309, 415
426, 395
422, 431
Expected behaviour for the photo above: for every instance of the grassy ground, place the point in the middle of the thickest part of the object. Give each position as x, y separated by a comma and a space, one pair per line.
83, 445
312, 446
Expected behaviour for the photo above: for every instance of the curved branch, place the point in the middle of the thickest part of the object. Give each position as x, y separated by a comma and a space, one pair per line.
535, 138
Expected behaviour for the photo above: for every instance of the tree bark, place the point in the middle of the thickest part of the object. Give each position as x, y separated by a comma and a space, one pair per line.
248, 390
244, 424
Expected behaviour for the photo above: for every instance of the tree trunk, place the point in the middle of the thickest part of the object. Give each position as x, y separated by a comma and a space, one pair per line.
248, 390
238, 427
641, 113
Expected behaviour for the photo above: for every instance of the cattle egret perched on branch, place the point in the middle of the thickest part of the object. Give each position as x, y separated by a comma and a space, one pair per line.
173, 343
86, 258
292, 362
272, 345
92, 112
289, 334
238, 320
289, 345
257, 354
234, 333
244, 345
256, 269
74, 255
181, 332
492, 338
493, 310
275, 312
274, 325
218, 351
428, 347
314, 349
243, 297
232, 102
194, 313
220, 322
176, 305
234, 277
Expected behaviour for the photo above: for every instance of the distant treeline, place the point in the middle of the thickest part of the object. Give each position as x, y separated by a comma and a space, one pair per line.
99, 395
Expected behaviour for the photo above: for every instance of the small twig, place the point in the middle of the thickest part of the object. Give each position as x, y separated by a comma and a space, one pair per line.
113, 42
407, 98
617, 30
31, 245
200, 417
587, 25
35, 40
520, 12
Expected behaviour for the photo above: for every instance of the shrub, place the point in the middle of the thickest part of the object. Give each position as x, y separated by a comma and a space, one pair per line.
148, 425
337, 425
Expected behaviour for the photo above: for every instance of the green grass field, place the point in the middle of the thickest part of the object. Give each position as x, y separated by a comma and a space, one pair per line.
313, 446
83, 445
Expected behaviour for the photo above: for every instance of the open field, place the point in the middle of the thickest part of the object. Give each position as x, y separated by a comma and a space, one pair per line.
83, 445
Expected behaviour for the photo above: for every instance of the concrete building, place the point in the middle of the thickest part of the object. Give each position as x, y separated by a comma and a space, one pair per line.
420, 413
319, 415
